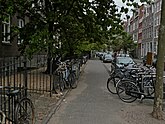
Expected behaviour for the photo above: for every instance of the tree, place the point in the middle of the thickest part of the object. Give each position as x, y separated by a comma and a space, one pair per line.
122, 41
158, 100
75, 21
128, 44
80, 25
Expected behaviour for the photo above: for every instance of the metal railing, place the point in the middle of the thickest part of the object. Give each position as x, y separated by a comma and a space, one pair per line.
19, 72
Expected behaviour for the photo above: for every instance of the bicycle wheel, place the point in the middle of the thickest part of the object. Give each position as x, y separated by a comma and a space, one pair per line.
72, 80
66, 84
124, 88
61, 83
111, 84
77, 73
148, 85
24, 112
56, 84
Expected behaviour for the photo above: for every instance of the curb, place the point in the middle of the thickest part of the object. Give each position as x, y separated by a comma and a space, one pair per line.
57, 105
54, 108
106, 68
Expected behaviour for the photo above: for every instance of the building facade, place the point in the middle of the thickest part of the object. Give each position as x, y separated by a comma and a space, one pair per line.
9, 41
148, 21
147, 30
157, 17
140, 24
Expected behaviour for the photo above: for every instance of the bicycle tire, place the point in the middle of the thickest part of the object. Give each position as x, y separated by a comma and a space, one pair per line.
56, 84
77, 73
24, 112
72, 80
124, 86
61, 83
66, 84
149, 88
111, 84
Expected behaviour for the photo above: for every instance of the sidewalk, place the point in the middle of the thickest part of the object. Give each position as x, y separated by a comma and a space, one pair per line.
135, 113
45, 105
91, 103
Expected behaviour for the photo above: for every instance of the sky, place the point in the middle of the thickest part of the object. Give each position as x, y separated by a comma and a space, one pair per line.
119, 3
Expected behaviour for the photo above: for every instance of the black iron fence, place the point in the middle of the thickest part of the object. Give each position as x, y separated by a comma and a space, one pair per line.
19, 72
27, 75
9, 99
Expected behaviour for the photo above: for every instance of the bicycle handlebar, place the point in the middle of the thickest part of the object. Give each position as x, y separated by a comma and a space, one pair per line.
10, 91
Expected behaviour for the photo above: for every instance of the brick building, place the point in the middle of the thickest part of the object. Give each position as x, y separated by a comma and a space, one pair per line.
148, 20
9, 42
147, 30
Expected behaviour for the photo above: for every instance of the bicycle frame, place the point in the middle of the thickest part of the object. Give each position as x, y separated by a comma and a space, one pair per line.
141, 93
2, 121
18, 104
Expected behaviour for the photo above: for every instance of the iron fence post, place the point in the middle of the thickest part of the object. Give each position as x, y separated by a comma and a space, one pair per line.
25, 74
51, 75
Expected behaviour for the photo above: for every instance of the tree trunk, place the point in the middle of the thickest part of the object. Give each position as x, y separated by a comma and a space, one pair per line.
157, 107
49, 58
48, 70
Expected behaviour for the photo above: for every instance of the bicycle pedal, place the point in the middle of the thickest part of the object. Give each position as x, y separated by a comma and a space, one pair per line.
141, 99
61, 94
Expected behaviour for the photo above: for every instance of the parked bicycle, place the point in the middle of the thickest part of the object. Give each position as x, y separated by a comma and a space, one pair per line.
141, 88
23, 107
64, 77
58, 84
71, 77
3, 117
76, 67
119, 75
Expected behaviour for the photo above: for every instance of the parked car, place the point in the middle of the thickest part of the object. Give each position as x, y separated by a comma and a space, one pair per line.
102, 55
123, 55
107, 58
123, 62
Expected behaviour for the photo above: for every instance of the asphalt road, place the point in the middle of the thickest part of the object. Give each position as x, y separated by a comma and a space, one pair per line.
91, 103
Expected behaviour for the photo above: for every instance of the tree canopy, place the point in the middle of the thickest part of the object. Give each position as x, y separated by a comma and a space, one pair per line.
71, 23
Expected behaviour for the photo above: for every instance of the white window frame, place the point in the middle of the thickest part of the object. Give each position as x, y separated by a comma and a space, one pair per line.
6, 30
21, 24
157, 32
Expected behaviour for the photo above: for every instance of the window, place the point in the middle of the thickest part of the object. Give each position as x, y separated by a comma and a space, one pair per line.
142, 52
155, 47
155, 7
6, 30
133, 26
155, 20
136, 24
159, 19
158, 5
20, 25
155, 32
151, 47
148, 47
